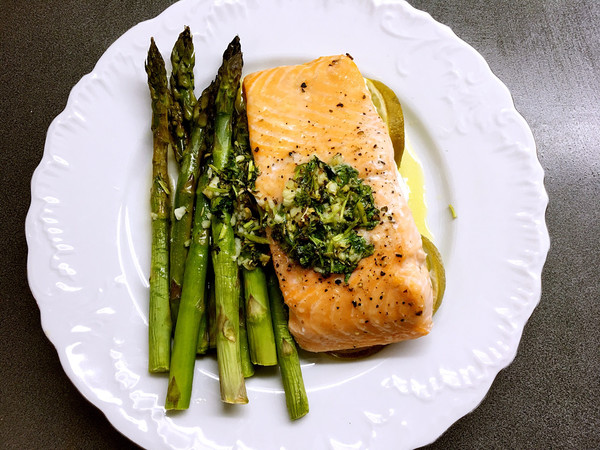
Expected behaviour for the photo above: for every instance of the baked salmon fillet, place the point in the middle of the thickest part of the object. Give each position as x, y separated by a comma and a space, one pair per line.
323, 108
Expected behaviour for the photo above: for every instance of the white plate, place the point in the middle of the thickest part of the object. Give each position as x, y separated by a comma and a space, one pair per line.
89, 240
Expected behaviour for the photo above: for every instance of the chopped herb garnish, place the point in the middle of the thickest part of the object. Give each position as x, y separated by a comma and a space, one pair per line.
324, 206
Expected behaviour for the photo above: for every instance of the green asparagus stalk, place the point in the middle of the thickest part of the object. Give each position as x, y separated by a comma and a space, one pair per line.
227, 283
247, 366
192, 308
160, 325
253, 248
207, 318
227, 291
193, 295
178, 131
182, 88
259, 326
287, 353
182, 76
212, 312
202, 345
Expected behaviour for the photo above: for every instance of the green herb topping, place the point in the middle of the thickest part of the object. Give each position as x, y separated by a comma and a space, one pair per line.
324, 206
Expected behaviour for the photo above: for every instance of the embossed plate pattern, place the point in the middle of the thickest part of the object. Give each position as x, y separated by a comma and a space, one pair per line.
88, 232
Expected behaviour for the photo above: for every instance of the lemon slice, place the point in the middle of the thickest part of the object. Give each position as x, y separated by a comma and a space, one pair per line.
436, 272
389, 108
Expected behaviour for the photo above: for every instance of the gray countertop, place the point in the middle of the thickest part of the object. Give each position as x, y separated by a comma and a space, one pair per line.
548, 54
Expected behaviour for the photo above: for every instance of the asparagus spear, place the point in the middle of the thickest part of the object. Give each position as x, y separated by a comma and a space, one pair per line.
259, 326
182, 88
212, 312
202, 345
159, 313
247, 367
182, 75
192, 308
227, 288
227, 284
287, 353
254, 253
193, 296
178, 132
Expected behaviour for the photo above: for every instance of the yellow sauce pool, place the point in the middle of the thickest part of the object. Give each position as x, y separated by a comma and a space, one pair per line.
411, 170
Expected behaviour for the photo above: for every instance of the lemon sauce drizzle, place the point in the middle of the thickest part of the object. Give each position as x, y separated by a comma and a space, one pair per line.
413, 175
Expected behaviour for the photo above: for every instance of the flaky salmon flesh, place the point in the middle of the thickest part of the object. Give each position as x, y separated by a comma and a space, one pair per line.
324, 108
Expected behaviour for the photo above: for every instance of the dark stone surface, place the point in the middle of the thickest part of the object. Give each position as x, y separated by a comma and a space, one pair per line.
546, 52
